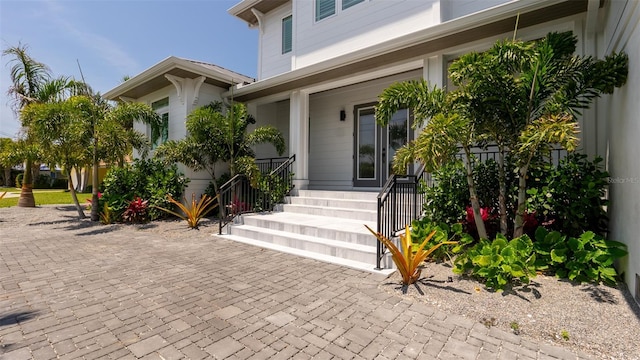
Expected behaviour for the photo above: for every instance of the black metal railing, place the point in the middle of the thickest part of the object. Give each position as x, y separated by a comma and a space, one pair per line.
240, 195
401, 199
399, 203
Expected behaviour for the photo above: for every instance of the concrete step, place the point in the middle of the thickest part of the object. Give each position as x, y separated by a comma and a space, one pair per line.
330, 194
347, 230
370, 205
336, 212
355, 256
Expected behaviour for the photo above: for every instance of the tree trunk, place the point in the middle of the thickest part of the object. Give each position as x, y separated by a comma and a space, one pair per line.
502, 193
35, 168
26, 193
79, 179
7, 176
473, 197
74, 196
94, 186
518, 226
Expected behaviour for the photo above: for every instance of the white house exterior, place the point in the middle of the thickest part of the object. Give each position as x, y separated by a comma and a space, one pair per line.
323, 63
174, 87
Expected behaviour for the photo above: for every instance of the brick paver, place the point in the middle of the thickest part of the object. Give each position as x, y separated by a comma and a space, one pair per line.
71, 289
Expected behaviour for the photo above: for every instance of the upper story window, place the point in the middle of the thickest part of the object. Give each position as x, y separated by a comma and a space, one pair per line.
325, 8
161, 133
349, 3
287, 34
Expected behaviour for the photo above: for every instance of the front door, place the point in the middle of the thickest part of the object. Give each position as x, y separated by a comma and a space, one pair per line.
375, 146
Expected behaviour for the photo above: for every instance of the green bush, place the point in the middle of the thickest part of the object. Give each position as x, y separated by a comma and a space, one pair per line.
148, 179
447, 199
587, 258
571, 200
420, 229
498, 262
19, 178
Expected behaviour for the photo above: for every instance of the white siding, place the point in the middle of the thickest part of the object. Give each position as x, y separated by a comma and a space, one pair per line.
621, 113
360, 26
272, 62
331, 143
452, 9
277, 115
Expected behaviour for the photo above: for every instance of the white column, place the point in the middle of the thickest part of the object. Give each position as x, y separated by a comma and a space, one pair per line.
299, 137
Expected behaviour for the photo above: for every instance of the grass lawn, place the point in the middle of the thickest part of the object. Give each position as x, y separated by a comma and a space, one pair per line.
42, 196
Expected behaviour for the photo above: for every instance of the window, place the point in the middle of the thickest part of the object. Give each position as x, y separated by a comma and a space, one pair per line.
349, 3
161, 133
325, 8
287, 34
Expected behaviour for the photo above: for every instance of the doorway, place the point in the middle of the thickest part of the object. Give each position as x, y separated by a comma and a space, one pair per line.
375, 146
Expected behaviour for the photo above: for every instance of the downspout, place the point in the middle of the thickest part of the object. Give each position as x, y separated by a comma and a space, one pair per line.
259, 16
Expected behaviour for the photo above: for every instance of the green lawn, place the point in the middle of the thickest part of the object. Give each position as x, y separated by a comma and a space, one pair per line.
42, 196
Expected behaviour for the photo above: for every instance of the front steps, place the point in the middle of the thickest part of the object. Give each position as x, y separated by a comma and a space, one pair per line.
323, 225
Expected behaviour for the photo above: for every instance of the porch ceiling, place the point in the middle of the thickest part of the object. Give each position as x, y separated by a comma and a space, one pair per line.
428, 46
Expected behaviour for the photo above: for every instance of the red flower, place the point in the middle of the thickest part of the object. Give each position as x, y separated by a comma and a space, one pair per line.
484, 214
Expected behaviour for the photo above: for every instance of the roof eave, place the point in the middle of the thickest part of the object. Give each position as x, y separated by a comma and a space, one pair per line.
490, 15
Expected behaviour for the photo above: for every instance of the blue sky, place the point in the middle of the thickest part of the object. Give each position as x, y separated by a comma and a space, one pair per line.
115, 38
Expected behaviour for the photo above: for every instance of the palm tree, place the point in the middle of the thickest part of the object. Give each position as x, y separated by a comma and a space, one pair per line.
449, 127
526, 96
216, 134
32, 83
27, 77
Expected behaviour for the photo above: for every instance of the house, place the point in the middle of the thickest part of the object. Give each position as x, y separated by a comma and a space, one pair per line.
322, 64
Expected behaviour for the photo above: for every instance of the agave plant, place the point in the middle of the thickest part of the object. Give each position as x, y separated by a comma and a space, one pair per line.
410, 258
193, 212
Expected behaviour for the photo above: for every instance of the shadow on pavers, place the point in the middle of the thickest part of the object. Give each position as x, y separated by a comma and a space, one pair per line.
17, 317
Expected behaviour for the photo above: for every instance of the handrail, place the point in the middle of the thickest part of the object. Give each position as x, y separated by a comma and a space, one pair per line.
239, 196
399, 203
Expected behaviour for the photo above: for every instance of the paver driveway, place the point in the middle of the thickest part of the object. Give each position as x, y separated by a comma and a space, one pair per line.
72, 289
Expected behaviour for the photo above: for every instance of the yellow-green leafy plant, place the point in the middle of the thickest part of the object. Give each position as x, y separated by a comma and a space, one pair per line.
106, 215
193, 212
410, 258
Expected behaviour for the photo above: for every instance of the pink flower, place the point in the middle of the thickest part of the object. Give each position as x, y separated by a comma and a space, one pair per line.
484, 214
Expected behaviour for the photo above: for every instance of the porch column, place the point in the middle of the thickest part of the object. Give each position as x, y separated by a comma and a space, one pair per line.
299, 137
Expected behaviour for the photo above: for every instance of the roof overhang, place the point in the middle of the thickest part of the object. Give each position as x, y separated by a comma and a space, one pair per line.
460, 31
242, 10
154, 78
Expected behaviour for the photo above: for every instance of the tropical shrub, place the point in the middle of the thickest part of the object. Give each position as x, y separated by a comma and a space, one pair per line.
571, 200
410, 258
194, 212
136, 212
148, 179
420, 229
587, 258
498, 262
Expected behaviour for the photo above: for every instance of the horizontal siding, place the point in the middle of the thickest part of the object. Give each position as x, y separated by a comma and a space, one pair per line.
357, 27
331, 144
272, 61
452, 9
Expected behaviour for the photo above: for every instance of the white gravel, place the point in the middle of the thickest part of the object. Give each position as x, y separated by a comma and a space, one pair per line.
597, 319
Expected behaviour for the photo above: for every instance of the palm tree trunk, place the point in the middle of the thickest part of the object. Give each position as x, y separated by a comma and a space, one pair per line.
518, 226
502, 192
26, 193
7, 176
74, 196
473, 196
